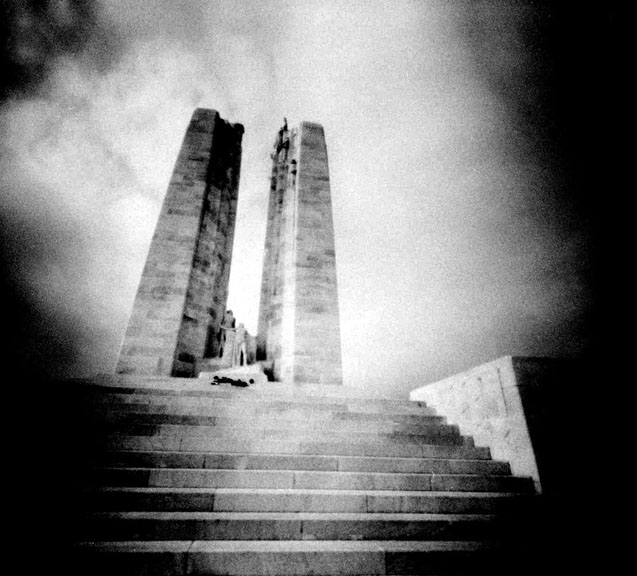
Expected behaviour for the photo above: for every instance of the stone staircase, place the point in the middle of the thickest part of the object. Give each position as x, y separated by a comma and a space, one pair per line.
187, 478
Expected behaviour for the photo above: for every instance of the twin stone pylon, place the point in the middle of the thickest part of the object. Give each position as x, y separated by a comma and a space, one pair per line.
299, 332
182, 294
183, 291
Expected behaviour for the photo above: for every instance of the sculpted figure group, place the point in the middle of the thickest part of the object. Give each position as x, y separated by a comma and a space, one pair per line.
234, 336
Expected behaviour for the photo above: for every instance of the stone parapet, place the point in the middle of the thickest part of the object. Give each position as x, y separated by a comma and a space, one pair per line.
503, 405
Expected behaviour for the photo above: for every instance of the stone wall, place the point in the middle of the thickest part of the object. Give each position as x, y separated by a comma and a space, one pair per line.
505, 405
183, 291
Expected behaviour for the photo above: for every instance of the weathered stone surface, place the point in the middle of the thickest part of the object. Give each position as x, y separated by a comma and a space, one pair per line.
502, 405
298, 462
310, 501
299, 332
309, 480
149, 526
182, 294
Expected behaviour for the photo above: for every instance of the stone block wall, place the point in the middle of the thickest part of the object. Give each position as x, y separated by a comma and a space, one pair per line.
299, 330
317, 341
183, 290
506, 405
269, 333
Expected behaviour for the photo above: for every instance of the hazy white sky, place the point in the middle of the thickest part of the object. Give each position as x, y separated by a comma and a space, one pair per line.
455, 243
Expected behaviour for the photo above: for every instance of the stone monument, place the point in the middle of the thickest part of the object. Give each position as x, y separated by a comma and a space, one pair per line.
298, 333
232, 474
182, 295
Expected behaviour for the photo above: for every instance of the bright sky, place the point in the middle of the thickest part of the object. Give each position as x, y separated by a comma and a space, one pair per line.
454, 242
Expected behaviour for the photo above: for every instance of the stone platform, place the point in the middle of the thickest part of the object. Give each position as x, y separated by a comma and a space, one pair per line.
188, 478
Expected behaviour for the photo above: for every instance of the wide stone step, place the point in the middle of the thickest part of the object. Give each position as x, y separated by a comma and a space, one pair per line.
437, 434
264, 404
202, 388
342, 421
309, 480
110, 526
249, 411
297, 500
131, 459
260, 558
309, 447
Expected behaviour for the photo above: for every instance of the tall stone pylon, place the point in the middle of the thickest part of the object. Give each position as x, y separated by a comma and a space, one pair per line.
183, 291
299, 330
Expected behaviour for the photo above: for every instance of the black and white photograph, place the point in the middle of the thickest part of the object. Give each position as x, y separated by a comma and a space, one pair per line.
300, 287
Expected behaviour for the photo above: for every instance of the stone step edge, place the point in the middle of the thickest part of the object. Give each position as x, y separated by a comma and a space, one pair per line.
211, 429
292, 557
315, 558
447, 437
306, 446
247, 395
289, 516
308, 492
186, 386
407, 408
257, 546
414, 409
171, 453
259, 408
308, 408
301, 421
253, 391
318, 472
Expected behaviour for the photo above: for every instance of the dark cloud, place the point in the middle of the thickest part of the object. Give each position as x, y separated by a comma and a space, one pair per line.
36, 33
43, 337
